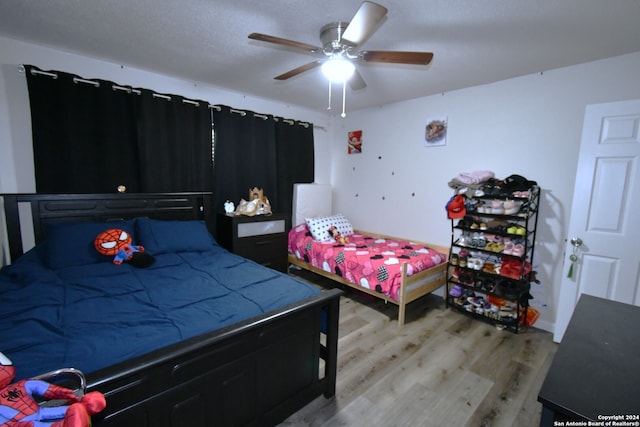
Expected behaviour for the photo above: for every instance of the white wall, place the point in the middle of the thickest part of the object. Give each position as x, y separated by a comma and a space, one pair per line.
16, 156
529, 125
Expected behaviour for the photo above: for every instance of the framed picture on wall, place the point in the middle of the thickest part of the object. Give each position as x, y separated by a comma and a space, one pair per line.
435, 132
354, 142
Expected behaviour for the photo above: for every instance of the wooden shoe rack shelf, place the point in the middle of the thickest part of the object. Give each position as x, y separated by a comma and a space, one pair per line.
490, 262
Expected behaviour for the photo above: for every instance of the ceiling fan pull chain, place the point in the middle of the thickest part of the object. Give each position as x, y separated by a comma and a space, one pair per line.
329, 106
344, 97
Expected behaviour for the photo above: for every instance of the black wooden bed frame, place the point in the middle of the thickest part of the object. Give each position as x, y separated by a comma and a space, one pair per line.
257, 372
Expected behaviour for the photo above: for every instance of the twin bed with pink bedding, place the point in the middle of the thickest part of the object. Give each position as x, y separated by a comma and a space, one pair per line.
395, 269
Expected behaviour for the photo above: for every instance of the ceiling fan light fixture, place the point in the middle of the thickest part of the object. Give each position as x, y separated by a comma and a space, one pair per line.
338, 69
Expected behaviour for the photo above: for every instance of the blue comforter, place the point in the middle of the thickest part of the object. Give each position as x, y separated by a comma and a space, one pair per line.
95, 315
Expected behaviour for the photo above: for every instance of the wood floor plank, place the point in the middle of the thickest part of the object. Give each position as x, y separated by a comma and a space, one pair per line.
531, 408
456, 406
407, 409
419, 368
440, 368
359, 410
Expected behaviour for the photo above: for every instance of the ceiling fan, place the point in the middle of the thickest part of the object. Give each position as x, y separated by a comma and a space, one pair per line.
340, 42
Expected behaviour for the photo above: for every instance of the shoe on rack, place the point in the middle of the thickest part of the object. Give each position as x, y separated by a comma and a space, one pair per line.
489, 285
511, 207
454, 259
518, 250
475, 263
476, 301
509, 289
508, 248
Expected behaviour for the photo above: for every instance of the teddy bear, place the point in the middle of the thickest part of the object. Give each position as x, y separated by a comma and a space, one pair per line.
19, 408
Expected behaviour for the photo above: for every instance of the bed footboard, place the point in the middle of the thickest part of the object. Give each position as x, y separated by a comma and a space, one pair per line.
255, 373
411, 288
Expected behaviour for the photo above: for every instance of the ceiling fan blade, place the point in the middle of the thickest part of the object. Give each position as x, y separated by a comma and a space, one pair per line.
299, 70
364, 23
356, 82
395, 57
285, 42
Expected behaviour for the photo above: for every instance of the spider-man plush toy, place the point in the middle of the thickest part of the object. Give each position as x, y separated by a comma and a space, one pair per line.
18, 407
118, 243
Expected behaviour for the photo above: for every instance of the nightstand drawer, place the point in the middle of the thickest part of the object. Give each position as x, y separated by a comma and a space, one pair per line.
266, 250
249, 229
262, 239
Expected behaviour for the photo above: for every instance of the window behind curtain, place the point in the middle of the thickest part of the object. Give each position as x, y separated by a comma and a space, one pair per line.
84, 140
295, 160
245, 156
174, 143
90, 137
254, 150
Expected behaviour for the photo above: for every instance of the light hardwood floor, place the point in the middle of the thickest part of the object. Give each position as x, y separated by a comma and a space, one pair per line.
441, 369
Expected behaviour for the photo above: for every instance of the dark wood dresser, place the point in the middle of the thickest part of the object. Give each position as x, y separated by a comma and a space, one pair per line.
595, 374
261, 238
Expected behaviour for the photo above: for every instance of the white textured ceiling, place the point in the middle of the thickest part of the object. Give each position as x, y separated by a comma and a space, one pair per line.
473, 41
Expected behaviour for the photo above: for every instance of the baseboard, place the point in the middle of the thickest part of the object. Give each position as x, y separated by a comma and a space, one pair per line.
545, 325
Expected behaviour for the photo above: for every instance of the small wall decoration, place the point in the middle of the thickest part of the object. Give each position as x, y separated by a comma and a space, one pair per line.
354, 142
435, 132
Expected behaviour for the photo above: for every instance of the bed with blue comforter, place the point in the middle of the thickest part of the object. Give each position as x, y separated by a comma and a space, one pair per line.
63, 304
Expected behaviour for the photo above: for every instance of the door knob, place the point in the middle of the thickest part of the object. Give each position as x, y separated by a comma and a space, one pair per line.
576, 242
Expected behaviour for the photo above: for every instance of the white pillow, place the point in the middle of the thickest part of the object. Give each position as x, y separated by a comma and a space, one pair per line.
319, 227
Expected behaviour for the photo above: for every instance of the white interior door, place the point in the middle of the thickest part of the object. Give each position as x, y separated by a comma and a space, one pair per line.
605, 217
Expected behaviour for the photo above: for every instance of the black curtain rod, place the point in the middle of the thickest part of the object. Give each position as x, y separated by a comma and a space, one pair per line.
128, 89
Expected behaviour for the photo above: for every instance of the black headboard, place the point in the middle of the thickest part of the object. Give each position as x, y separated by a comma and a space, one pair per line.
50, 208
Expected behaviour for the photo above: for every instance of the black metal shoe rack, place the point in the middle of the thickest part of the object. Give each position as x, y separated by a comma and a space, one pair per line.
489, 277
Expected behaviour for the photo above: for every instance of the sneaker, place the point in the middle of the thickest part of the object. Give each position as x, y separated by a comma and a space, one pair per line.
456, 291
476, 301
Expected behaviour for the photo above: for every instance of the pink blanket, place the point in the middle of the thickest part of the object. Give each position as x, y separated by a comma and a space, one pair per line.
372, 263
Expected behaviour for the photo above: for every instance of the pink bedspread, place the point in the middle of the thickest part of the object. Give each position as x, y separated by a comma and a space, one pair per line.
372, 263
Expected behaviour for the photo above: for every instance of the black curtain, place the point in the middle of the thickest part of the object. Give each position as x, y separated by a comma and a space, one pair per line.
244, 156
90, 136
253, 150
174, 143
83, 138
295, 160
